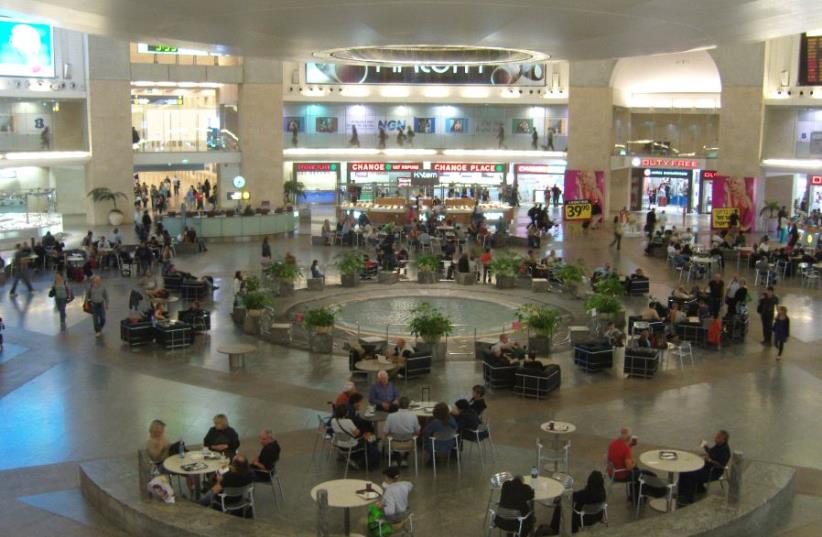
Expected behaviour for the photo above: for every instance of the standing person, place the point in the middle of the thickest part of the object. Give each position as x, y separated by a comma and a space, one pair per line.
266, 249
767, 304
650, 223
207, 188
295, 129
781, 329
2, 327
176, 183
61, 293
381, 137
534, 138
20, 269
146, 225
716, 291
555, 192
354, 141
485, 261
618, 231
97, 296
549, 144
500, 137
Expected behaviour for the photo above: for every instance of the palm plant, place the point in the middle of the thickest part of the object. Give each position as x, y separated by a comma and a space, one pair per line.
293, 190
101, 194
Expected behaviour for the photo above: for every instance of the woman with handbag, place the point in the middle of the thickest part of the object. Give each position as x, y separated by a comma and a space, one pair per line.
62, 295
96, 304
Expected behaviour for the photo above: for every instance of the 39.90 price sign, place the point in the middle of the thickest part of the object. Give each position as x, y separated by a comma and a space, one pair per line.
578, 210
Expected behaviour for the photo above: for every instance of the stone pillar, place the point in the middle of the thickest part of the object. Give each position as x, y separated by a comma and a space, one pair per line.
261, 136
69, 127
565, 506
735, 478
109, 112
322, 513
741, 68
590, 122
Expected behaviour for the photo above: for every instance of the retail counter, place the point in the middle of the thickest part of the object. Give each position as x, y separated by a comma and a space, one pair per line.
379, 215
234, 226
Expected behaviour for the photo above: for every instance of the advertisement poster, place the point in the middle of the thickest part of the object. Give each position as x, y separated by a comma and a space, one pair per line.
522, 126
327, 125
456, 125
425, 125
290, 122
523, 74
558, 125
488, 126
734, 193
26, 49
585, 186
364, 124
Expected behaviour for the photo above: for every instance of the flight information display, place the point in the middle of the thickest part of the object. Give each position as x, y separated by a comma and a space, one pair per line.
810, 60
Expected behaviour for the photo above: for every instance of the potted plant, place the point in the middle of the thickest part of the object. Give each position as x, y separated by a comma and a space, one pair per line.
283, 275
429, 323
293, 191
254, 303
427, 266
350, 264
248, 211
542, 322
101, 194
571, 276
610, 285
772, 222
505, 266
608, 308
319, 322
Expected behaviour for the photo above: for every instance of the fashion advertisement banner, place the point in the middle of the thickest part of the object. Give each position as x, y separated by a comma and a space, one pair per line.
290, 122
326, 125
734, 193
522, 126
425, 125
456, 125
585, 185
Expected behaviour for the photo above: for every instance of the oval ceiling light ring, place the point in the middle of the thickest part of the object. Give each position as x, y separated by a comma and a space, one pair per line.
431, 55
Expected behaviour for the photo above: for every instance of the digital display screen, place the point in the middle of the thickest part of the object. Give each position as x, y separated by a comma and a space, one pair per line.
810, 60
176, 100
26, 49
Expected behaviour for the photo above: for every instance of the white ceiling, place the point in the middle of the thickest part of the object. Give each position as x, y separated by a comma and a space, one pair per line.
565, 29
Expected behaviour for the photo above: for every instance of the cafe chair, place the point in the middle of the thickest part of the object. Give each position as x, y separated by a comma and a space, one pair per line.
276, 484
592, 510
445, 442
243, 505
403, 445
611, 471
496, 482
321, 438
512, 516
718, 475
559, 457
481, 438
652, 482
348, 451
683, 351
404, 528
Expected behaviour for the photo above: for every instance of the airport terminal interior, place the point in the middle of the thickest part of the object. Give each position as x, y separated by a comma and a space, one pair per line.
411, 268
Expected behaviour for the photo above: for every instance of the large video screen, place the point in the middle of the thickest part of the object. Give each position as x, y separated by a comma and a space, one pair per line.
522, 74
810, 60
26, 49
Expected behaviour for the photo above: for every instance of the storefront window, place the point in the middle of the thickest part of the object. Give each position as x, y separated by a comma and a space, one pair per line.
42, 125
184, 119
425, 126
666, 134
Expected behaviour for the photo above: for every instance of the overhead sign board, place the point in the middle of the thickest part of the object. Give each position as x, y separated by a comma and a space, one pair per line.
524, 74
668, 163
385, 166
316, 166
425, 178
467, 167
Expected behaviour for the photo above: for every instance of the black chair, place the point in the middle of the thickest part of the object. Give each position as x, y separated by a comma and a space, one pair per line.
530, 382
172, 282
193, 290
694, 332
199, 321
136, 334
418, 365
641, 362
499, 377
594, 355
174, 334
638, 286
689, 306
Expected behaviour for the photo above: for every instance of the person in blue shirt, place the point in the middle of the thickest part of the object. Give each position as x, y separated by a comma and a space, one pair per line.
383, 394
443, 425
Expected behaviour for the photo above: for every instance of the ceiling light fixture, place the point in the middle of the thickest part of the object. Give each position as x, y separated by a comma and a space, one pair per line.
431, 55
355, 91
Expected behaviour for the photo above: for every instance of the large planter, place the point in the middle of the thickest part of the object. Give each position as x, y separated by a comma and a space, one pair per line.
523, 282
321, 341
315, 284
238, 314
466, 278
617, 318
539, 343
286, 288
506, 282
438, 349
426, 277
251, 324
115, 217
388, 277
350, 280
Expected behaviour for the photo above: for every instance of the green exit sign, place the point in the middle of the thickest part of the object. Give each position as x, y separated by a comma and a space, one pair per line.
500, 168
388, 167
333, 167
163, 49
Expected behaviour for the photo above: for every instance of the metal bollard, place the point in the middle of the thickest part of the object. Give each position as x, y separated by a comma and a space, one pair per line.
142, 475
322, 513
735, 478
567, 518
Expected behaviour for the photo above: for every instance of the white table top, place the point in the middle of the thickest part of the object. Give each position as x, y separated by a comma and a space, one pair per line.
424, 409
704, 260
236, 348
343, 493
684, 462
560, 427
375, 365
372, 339
174, 463
545, 488
171, 299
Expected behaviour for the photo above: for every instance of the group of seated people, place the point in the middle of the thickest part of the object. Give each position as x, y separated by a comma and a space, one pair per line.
189, 235
222, 439
352, 429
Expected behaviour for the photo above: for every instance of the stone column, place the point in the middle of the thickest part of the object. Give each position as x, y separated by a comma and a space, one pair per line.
261, 136
735, 478
590, 122
741, 69
109, 111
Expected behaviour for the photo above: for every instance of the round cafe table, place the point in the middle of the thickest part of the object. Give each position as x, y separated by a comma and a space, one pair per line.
422, 409
684, 462
174, 464
372, 367
545, 488
236, 352
342, 493
556, 429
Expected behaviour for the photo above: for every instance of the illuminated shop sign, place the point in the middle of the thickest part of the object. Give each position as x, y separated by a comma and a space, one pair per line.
658, 172
159, 48
816, 180
539, 169
316, 166
176, 100
524, 74
460, 167
385, 166
425, 178
668, 163
708, 174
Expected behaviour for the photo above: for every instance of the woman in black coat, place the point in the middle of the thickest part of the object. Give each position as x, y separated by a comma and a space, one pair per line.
592, 494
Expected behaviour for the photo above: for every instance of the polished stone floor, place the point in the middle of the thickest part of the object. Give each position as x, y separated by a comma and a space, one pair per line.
67, 397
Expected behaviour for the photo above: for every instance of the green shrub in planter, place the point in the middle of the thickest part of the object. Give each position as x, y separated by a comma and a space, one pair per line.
428, 263
570, 274
603, 303
428, 323
506, 264
252, 283
610, 285
319, 319
283, 272
540, 319
256, 300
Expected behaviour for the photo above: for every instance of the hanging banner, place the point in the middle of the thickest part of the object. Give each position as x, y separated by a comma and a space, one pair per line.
733, 194
584, 186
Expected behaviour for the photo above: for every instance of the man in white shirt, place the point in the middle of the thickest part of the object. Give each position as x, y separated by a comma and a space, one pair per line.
402, 426
394, 501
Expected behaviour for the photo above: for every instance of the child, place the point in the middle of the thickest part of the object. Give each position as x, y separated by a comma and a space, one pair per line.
781, 329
